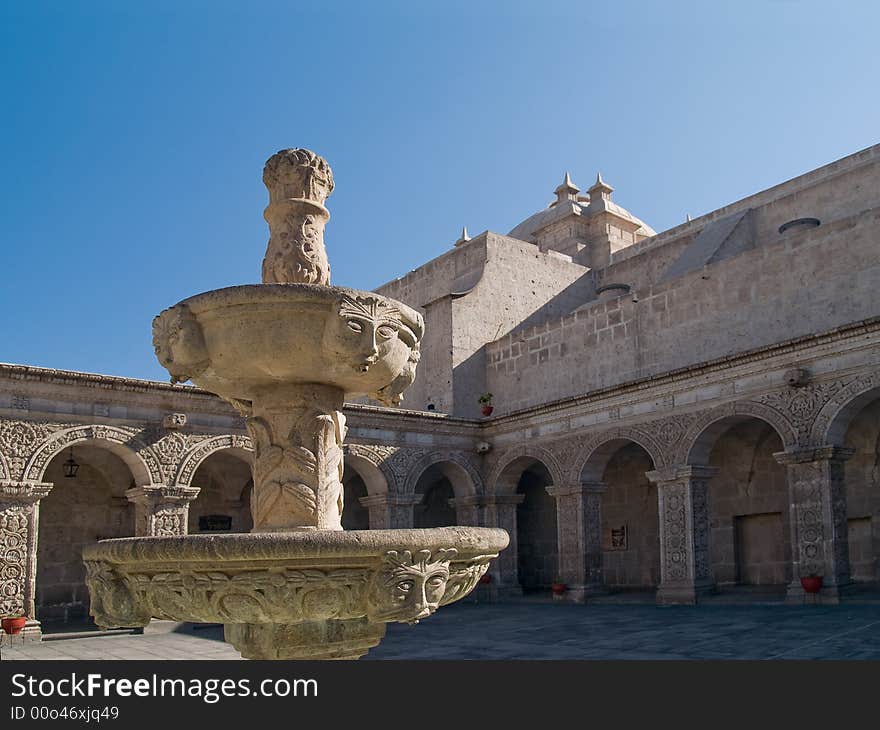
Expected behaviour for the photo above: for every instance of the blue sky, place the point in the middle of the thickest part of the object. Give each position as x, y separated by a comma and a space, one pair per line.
134, 134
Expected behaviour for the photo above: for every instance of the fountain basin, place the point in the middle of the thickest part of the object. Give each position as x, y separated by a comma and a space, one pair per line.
247, 342
316, 594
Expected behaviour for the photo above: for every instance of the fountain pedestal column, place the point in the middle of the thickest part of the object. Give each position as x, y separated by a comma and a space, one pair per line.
298, 432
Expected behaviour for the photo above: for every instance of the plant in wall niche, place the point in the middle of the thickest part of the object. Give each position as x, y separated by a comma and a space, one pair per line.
13, 623
486, 404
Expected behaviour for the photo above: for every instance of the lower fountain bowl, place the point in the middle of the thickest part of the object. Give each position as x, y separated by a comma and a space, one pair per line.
315, 594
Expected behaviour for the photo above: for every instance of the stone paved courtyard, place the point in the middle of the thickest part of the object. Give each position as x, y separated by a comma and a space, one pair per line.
551, 631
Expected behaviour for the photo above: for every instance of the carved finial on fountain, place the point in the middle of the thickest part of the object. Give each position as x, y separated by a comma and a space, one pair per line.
299, 181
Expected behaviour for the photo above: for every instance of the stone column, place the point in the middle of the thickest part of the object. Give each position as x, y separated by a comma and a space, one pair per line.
161, 510
685, 563
468, 510
390, 511
19, 525
501, 512
817, 516
579, 525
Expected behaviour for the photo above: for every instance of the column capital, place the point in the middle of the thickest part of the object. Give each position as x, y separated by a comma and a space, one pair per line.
497, 499
681, 472
813, 453
568, 490
469, 500
390, 500
153, 493
24, 492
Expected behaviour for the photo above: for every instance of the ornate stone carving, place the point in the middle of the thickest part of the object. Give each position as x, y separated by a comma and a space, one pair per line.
801, 405
162, 510
848, 390
699, 422
473, 484
18, 441
200, 448
14, 524
299, 181
280, 582
684, 531
409, 587
18, 542
503, 460
392, 394
66, 436
174, 420
581, 467
179, 343
298, 475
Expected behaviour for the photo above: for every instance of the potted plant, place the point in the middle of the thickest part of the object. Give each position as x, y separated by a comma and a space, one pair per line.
13, 623
811, 583
486, 404
558, 587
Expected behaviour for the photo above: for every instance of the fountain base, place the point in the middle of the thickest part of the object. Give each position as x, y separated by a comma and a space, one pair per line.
321, 594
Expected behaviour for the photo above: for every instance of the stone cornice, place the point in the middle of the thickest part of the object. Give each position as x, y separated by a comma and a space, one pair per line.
819, 453
681, 472
26, 492
853, 331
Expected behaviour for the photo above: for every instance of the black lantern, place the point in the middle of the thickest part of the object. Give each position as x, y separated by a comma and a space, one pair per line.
70, 466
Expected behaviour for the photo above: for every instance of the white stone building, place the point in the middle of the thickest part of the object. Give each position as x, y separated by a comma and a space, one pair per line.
679, 412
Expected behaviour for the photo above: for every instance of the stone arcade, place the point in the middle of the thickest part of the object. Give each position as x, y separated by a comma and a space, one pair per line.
679, 413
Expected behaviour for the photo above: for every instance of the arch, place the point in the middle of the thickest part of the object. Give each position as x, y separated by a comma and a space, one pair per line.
241, 446
117, 440
506, 473
602, 448
710, 425
367, 463
835, 416
459, 471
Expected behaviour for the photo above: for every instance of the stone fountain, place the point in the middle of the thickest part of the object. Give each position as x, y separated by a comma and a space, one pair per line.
285, 354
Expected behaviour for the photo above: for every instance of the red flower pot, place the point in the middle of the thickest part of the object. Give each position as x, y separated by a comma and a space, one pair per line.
485, 578
487, 410
811, 583
558, 588
13, 625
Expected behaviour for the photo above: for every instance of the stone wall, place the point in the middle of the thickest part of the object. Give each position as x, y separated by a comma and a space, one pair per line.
748, 512
863, 494
811, 281
472, 295
630, 558
78, 512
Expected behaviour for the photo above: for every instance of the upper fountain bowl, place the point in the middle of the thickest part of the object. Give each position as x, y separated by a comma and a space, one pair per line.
245, 341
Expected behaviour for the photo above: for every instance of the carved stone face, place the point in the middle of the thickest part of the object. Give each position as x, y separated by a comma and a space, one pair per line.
364, 332
179, 343
409, 587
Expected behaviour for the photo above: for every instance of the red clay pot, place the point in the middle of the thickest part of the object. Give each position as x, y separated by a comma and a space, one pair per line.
811, 583
13, 625
558, 588
487, 410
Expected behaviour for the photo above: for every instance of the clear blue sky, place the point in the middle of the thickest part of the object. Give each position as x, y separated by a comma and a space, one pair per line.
134, 134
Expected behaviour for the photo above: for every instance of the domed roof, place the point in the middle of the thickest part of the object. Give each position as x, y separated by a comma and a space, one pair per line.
576, 205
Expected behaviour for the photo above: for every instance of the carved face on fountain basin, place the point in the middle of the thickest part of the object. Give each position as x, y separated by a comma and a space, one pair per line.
240, 341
